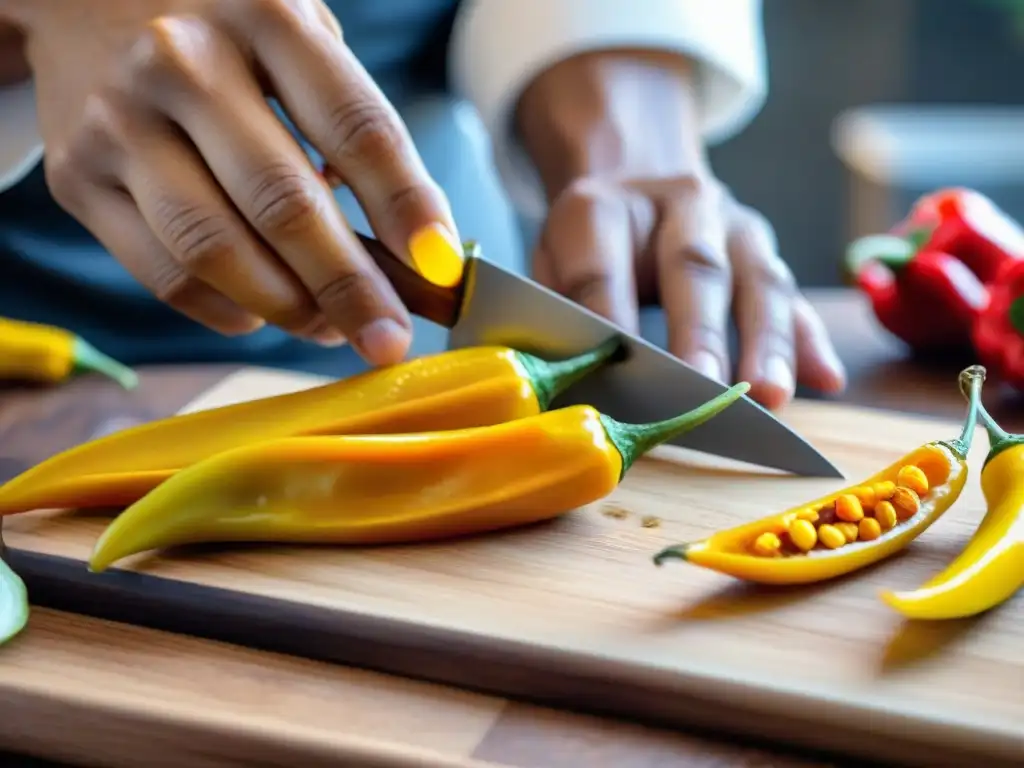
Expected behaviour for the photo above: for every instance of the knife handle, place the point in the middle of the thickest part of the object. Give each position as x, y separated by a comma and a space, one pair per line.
437, 303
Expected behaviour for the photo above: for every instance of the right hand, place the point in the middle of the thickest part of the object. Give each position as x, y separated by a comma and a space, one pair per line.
159, 140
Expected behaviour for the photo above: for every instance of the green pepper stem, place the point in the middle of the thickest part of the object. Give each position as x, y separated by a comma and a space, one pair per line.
970, 380
634, 440
891, 250
88, 358
998, 438
1015, 315
919, 237
550, 378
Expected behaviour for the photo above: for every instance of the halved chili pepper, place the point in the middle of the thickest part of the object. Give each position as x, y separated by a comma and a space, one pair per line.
967, 224
928, 299
998, 331
380, 489
469, 387
848, 529
990, 569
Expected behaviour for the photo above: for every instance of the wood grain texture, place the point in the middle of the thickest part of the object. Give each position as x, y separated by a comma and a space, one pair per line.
83, 691
131, 697
573, 613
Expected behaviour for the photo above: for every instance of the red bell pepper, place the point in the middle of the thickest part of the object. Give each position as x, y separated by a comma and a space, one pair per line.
965, 224
928, 299
998, 333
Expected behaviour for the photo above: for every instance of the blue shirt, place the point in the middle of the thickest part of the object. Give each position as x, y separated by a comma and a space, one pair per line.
52, 270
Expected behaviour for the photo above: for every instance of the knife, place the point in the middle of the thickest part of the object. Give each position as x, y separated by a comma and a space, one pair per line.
491, 305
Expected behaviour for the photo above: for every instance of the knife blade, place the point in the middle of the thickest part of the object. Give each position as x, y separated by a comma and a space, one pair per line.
491, 305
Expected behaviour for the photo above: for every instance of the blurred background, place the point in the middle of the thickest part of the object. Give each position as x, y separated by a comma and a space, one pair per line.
872, 103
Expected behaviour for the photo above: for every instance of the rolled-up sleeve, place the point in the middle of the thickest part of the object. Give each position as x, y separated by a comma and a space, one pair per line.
21, 146
499, 46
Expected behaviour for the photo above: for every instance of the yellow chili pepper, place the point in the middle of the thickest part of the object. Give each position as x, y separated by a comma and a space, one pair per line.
991, 567
47, 354
469, 387
806, 543
376, 489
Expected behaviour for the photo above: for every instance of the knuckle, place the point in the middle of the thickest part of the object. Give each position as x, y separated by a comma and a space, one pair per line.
757, 224
409, 199
162, 55
588, 285
710, 337
172, 285
363, 131
704, 258
589, 199
90, 149
761, 251
772, 272
283, 200
63, 178
350, 293
270, 17
691, 185
102, 127
270, 12
199, 239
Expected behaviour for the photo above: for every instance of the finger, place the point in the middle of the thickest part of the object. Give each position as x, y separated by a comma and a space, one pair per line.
764, 302
695, 284
586, 250
115, 221
542, 270
328, 18
343, 113
818, 363
201, 83
200, 228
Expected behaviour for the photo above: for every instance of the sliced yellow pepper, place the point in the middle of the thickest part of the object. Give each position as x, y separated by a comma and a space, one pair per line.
809, 543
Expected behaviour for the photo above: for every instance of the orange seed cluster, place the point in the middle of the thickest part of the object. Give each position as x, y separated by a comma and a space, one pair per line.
863, 513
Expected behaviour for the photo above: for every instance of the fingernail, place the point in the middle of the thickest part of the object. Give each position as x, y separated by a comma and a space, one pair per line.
329, 337
382, 341
437, 254
708, 364
779, 373
322, 333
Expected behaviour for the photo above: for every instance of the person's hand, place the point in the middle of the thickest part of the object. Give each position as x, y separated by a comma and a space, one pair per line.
160, 141
636, 218
684, 243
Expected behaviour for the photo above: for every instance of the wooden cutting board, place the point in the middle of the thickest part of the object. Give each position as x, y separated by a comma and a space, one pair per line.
573, 613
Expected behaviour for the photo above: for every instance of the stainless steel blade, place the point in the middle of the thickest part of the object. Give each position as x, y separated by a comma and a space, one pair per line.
501, 307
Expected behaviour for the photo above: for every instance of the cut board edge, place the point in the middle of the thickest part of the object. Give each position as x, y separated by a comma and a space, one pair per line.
543, 675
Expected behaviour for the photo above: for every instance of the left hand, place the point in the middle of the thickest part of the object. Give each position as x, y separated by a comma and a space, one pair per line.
615, 244
637, 217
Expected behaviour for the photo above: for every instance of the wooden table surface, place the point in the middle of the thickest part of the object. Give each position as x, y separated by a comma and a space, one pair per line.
276, 699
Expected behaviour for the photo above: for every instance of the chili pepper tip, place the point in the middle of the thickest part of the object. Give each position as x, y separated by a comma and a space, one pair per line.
675, 552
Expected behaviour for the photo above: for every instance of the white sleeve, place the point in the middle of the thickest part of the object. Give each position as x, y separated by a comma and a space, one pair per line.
20, 143
499, 46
